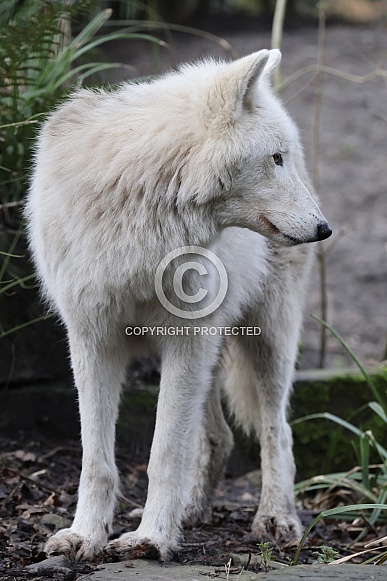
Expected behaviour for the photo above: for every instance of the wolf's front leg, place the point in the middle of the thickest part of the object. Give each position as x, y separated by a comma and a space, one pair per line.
185, 379
98, 371
276, 515
259, 372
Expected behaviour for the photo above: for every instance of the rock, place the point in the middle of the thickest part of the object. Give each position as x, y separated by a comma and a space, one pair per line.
342, 572
142, 570
58, 567
254, 478
242, 559
59, 522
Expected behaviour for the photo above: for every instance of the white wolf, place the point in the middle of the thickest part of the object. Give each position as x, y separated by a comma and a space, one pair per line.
204, 157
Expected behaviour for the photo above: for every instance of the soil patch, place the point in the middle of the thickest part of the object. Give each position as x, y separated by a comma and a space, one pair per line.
38, 493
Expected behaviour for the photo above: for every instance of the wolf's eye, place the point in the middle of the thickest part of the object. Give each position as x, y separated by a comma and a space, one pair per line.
278, 159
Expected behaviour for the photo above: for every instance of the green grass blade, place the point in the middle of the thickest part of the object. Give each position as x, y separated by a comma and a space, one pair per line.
14, 242
90, 29
110, 37
332, 512
11, 255
19, 281
333, 418
352, 355
376, 512
89, 68
98, 68
364, 444
29, 121
329, 480
156, 24
377, 408
24, 325
327, 415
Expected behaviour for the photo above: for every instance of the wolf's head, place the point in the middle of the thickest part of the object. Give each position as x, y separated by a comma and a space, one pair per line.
250, 150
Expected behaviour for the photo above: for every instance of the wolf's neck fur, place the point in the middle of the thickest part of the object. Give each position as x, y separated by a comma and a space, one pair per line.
195, 227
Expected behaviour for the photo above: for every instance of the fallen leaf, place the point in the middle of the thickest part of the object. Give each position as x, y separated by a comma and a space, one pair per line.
25, 456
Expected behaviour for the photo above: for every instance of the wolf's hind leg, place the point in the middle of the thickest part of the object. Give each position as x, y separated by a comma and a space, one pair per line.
214, 442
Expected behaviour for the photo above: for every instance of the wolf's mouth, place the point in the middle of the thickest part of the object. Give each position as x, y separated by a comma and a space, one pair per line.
291, 238
274, 230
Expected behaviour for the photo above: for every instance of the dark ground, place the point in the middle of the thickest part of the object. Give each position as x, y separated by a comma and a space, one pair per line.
38, 485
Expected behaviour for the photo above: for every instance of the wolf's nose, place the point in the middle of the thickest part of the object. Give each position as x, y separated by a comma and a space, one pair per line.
323, 231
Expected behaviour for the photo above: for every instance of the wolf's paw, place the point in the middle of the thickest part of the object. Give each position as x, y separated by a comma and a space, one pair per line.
135, 546
70, 543
284, 527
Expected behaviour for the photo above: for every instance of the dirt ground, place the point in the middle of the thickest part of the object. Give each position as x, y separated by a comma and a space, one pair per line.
38, 486
352, 162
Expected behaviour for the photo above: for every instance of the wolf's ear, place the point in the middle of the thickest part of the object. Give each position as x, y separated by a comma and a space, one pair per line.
244, 73
272, 63
233, 91
240, 79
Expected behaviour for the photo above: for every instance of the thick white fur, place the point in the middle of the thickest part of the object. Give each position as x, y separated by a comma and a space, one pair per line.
120, 180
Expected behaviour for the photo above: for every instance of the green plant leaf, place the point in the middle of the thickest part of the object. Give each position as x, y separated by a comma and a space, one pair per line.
365, 461
91, 28
24, 325
110, 37
332, 512
327, 415
368, 379
336, 480
377, 408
